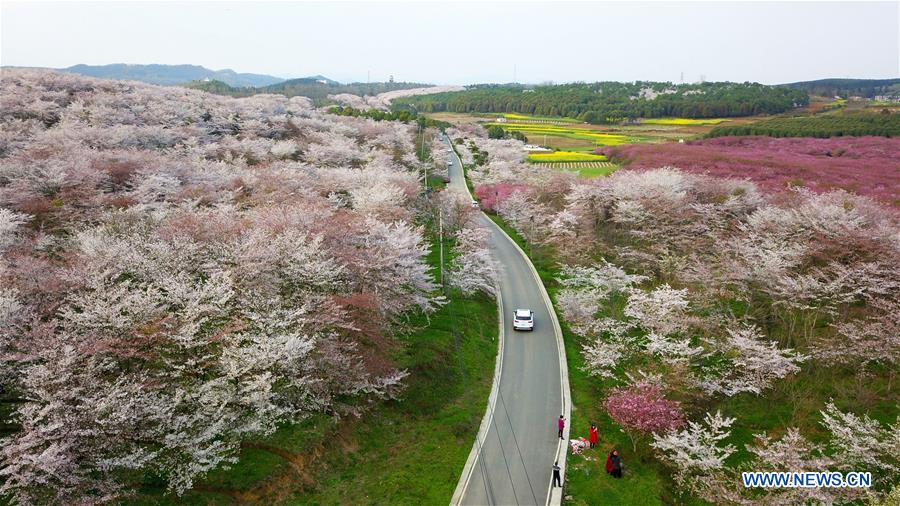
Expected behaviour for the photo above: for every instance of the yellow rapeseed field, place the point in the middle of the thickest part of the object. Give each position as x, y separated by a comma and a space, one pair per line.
565, 156
682, 121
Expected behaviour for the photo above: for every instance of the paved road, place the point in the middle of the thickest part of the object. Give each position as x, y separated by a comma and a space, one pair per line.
515, 462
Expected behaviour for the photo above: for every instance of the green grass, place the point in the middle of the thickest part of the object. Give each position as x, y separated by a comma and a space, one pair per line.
593, 172
406, 451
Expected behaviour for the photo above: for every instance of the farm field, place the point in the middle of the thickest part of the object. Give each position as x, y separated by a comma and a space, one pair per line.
568, 134
565, 156
585, 170
587, 165
531, 119
682, 121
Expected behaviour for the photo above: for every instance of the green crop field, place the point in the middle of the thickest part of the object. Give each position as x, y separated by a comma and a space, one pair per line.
587, 170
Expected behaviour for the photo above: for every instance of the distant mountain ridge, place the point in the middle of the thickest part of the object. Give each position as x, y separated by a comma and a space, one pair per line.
171, 75
318, 88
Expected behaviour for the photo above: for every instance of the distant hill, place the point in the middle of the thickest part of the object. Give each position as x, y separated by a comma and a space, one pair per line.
171, 75
316, 87
867, 88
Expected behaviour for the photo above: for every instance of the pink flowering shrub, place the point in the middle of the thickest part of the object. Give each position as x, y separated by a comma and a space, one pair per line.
492, 195
642, 410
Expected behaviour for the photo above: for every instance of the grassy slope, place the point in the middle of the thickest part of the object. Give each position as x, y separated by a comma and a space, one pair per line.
384, 456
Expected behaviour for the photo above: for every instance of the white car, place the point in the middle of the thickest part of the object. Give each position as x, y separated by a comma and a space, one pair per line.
523, 320
474, 204
449, 163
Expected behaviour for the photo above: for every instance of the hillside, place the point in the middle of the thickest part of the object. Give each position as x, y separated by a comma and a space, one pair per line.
607, 102
867, 88
317, 88
206, 287
170, 75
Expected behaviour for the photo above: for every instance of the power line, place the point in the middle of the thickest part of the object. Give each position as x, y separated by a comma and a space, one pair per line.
521, 459
508, 473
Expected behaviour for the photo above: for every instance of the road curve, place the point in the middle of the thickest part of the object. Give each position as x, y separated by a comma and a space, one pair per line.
511, 462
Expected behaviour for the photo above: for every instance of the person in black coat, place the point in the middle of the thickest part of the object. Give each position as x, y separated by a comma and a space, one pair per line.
616, 462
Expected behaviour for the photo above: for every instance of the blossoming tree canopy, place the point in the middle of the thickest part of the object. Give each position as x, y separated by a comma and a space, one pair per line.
179, 270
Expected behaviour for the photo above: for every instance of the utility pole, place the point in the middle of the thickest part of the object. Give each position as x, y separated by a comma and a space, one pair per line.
422, 149
532, 236
422, 156
441, 239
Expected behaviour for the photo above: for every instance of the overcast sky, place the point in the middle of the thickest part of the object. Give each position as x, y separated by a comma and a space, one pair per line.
467, 42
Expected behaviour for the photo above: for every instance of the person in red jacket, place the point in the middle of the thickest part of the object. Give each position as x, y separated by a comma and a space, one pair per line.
594, 435
561, 424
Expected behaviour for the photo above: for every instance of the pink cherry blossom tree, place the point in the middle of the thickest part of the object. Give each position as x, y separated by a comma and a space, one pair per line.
642, 410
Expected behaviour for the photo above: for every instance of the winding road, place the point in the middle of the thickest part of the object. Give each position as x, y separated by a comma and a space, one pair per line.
511, 461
